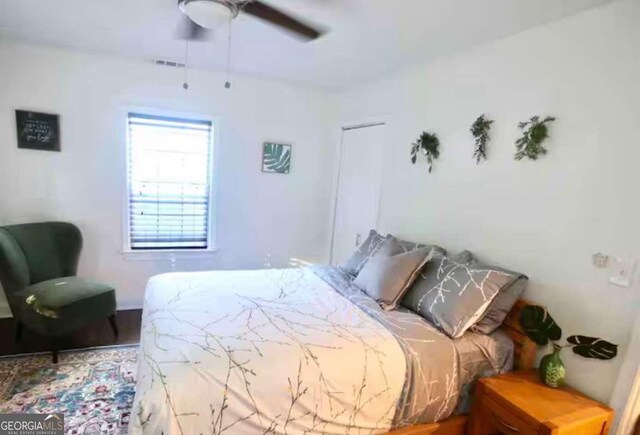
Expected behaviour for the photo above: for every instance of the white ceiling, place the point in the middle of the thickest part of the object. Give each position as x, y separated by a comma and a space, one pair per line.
367, 38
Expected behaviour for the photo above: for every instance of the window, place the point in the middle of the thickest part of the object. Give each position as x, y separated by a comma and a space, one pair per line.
169, 182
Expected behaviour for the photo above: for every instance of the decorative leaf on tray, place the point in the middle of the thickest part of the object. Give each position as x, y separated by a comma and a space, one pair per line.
591, 347
539, 325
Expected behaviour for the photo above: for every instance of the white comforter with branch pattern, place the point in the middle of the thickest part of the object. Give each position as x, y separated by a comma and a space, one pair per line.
262, 352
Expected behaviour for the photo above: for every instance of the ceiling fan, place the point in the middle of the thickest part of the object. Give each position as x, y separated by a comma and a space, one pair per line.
203, 16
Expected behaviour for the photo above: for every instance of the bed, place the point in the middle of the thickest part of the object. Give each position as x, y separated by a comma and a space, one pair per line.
302, 351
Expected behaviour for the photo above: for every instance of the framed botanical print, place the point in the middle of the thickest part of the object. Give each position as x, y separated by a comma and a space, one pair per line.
276, 158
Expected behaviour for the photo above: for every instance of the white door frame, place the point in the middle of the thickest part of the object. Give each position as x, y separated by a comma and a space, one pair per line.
626, 395
629, 416
346, 126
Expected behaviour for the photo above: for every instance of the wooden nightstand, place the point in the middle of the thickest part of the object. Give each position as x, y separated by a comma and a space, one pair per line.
518, 403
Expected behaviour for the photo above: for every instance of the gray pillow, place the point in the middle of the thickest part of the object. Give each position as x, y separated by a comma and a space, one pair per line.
408, 246
463, 257
390, 272
453, 295
502, 303
359, 258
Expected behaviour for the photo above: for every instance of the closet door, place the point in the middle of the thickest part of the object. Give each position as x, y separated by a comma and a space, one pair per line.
358, 195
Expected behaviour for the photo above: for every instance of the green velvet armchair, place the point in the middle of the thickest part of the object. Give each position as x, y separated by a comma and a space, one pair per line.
38, 265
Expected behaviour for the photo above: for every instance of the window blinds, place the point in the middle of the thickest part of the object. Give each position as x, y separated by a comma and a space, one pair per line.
169, 182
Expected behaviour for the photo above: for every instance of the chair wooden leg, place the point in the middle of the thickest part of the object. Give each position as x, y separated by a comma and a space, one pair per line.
114, 325
54, 357
19, 327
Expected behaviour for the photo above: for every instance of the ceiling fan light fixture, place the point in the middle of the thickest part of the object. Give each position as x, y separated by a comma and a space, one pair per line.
209, 14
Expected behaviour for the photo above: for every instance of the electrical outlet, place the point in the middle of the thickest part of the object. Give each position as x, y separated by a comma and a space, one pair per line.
266, 261
622, 271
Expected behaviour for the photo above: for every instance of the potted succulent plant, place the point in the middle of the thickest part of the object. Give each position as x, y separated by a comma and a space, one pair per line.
540, 327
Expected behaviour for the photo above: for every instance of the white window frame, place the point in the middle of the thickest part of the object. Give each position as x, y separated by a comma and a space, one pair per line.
170, 254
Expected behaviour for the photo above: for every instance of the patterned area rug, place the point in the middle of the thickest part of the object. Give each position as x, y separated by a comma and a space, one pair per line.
93, 388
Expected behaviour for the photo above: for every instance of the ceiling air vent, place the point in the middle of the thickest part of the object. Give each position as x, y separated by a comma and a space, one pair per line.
171, 63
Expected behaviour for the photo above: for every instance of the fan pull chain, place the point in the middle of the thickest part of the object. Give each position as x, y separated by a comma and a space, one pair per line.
228, 83
185, 85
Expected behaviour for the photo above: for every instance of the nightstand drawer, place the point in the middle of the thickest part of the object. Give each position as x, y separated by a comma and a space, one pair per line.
504, 421
518, 403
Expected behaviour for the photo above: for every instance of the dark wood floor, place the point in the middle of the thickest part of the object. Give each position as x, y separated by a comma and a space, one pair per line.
98, 334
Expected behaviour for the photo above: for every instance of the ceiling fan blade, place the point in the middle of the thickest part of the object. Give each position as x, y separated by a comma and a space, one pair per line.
281, 19
191, 31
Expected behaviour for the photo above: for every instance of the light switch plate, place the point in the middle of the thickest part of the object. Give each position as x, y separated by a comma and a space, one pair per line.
622, 271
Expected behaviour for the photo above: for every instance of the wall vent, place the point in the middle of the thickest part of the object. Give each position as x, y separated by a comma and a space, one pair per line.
171, 63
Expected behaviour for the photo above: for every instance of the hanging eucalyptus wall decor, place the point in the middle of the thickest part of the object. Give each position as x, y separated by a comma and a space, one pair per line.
430, 146
480, 131
534, 133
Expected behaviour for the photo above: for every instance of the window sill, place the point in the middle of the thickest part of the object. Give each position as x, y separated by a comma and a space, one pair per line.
169, 255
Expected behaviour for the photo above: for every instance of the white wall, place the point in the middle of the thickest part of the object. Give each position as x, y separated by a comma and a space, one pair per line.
543, 218
257, 214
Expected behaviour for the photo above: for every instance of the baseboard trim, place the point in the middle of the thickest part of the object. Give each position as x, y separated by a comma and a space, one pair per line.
63, 351
5, 311
129, 305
